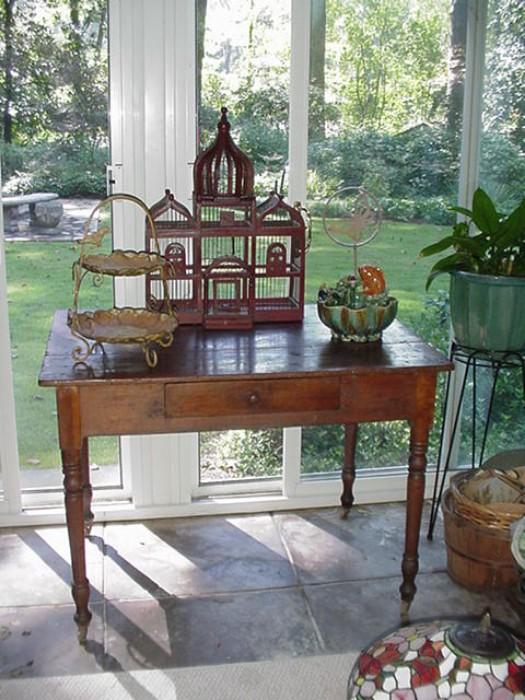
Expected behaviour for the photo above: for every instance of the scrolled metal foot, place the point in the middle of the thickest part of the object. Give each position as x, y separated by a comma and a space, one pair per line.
151, 355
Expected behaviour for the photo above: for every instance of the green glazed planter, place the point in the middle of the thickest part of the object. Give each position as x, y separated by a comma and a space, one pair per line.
363, 325
488, 312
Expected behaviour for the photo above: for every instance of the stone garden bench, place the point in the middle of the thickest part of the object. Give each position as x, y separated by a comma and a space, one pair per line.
44, 209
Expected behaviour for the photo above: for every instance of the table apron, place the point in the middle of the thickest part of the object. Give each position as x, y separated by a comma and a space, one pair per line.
258, 402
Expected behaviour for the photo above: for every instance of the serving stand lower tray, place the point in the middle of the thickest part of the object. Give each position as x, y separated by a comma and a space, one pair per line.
122, 325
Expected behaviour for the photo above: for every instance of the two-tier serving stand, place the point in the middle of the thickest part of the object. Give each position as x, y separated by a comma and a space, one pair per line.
119, 325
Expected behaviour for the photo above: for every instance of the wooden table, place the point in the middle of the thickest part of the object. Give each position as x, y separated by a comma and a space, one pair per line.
274, 375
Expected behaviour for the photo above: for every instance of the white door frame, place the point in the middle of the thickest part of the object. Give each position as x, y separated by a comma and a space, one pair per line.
9, 461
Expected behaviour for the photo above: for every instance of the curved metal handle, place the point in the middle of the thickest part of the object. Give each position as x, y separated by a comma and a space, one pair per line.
308, 217
113, 198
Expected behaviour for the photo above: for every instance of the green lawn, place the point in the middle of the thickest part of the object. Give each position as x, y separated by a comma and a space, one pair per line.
395, 249
39, 281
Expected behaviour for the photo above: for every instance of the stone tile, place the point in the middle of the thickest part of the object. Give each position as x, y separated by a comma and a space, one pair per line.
369, 544
351, 615
36, 566
194, 556
208, 630
42, 641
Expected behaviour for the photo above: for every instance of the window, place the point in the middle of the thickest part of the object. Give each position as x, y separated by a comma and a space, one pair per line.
385, 114
243, 52
384, 111
62, 145
502, 175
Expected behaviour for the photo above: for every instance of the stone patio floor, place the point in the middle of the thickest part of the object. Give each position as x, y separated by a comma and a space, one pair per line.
210, 590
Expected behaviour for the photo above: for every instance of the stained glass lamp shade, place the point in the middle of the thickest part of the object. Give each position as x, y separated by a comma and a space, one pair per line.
431, 661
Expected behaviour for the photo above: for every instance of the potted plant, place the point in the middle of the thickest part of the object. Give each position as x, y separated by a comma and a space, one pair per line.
487, 275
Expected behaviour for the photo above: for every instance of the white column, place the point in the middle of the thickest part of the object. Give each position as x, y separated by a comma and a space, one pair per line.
472, 101
152, 119
298, 118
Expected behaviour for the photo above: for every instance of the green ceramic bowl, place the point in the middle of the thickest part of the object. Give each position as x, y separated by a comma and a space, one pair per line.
362, 325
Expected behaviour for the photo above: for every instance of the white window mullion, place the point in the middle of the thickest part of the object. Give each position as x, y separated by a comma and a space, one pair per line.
472, 101
186, 472
291, 460
298, 159
298, 115
468, 182
9, 462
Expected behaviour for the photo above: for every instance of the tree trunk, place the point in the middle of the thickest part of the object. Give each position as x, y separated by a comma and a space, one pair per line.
456, 64
75, 47
201, 32
316, 127
7, 119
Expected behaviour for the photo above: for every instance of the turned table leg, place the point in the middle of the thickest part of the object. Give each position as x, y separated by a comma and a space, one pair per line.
71, 448
348, 472
87, 491
415, 491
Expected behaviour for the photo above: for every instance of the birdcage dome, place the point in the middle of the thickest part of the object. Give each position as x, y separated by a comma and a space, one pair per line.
223, 173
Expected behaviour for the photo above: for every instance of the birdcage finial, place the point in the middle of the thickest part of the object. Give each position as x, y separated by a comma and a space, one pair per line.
224, 124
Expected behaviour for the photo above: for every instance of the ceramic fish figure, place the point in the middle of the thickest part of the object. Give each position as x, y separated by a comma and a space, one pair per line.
373, 280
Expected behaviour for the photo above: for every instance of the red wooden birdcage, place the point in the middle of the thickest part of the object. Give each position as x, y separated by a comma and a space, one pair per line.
232, 262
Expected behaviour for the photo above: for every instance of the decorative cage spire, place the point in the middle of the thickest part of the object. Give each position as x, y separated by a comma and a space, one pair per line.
223, 172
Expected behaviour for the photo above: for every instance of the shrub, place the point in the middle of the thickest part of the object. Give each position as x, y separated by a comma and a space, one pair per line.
243, 453
399, 209
69, 168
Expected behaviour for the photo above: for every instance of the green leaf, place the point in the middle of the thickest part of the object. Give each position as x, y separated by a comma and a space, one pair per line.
461, 229
475, 245
484, 213
434, 248
457, 261
512, 228
462, 210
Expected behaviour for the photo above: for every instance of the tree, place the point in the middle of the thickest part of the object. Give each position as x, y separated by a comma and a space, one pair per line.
54, 70
200, 10
456, 64
8, 55
504, 104
316, 124
386, 60
83, 68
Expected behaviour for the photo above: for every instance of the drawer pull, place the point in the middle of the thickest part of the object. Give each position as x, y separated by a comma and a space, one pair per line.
254, 399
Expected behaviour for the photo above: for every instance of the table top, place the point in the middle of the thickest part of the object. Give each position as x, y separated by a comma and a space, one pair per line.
270, 349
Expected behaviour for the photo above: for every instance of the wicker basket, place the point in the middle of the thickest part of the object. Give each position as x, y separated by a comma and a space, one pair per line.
490, 497
478, 557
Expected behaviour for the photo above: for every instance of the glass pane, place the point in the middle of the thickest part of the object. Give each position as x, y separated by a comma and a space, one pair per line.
502, 175
240, 454
60, 148
243, 63
385, 114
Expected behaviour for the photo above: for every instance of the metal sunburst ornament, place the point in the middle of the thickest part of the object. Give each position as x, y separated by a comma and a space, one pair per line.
358, 308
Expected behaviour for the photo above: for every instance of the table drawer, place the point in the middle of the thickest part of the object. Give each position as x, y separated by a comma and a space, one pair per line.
217, 398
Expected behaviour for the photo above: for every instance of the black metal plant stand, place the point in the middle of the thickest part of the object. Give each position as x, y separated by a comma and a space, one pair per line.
473, 359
